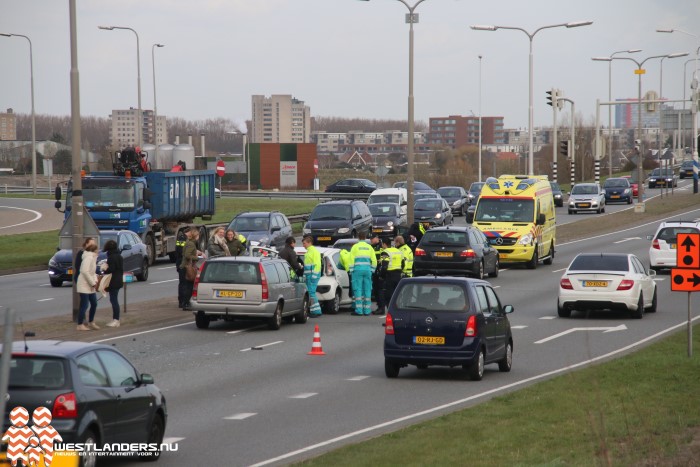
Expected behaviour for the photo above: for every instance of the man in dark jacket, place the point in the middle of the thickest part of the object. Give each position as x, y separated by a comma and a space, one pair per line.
182, 237
287, 252
115, 267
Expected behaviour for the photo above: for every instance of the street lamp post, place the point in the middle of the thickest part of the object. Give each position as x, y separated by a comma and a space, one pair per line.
480, 117
246, 151
610, 134
155, 106
693, 106
411, 18
138, 74
31, 76
639, 72
531, 36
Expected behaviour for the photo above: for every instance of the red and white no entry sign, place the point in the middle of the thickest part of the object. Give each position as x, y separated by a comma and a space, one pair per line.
316, 166
220, 168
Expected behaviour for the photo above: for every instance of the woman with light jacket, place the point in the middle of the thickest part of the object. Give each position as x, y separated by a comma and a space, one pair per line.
86, 287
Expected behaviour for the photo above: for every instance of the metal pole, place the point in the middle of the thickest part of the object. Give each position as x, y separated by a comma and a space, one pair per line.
597, 140
410, 178
480, 117
573, 138
610, 132
531, 138
555, 147
659, 139
690, 329
640, 179
246, 149
76, 160
155, 105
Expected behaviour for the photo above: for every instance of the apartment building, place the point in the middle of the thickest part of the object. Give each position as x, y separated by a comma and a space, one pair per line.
125, 128
456, 130
8, 126
280, 118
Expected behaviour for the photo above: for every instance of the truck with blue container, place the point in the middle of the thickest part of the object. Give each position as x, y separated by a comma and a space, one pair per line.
154, 204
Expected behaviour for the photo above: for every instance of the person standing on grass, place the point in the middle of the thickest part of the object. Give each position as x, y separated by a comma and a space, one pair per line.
115, 267
312, 273
86, 287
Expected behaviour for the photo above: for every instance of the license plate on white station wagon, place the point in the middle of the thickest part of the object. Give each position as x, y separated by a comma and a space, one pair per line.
230, 293
595, 283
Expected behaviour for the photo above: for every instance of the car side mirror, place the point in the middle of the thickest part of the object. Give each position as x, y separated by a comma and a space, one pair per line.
126, 247
540, 219
275, 229
57, 193
470, 217
146, 379
357, 217
650, 237
507, 309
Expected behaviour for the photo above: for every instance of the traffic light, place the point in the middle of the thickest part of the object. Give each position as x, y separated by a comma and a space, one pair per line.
564, 148
552, 97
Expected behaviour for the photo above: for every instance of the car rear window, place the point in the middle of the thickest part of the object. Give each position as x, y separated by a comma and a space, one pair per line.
432, 296
445, 238
37, 373
227, 272
669, 234
600, 262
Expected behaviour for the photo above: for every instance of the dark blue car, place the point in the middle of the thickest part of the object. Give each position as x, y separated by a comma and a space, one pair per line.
132, 249
447, 321
618, 190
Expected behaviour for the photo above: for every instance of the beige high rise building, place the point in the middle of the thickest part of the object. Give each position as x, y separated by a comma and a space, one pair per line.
8, 126
280, 118
125, 128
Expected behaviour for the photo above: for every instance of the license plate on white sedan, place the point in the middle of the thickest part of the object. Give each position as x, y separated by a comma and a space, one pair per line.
595, 283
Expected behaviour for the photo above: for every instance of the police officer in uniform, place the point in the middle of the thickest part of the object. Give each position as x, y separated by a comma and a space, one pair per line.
392, 268
415, 233
407, 256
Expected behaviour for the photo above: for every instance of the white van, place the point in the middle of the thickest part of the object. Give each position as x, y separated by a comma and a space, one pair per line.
390, 195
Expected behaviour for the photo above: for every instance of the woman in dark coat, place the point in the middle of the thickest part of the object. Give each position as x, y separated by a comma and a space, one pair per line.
115, 267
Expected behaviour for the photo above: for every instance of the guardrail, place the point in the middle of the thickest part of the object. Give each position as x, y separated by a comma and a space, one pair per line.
25, 190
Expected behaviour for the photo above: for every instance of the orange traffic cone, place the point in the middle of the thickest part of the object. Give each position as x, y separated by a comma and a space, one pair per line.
316, 348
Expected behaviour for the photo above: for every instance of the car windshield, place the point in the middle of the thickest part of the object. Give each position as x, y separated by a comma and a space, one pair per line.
416, 186
432, 296
584, 190
616, 182
330, 212
428, 205
444, 238
374, 199
476, 187
600, 263
37, 373
250, 223
451, 192
555, 186
229, 272
687, 164
107, 236
419, 196
505, 210
383, 210
662, 172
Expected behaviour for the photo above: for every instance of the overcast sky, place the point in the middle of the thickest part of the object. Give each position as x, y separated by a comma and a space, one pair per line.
344, 58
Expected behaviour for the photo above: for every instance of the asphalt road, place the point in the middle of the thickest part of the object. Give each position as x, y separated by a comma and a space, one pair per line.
239, 394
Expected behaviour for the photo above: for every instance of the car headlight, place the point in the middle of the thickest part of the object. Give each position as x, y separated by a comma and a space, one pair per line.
264, 241
343, 230
557, 196
627, 191
306, 231
438, 215
525, 239
390, 224
456, 203
571, 202
53, 263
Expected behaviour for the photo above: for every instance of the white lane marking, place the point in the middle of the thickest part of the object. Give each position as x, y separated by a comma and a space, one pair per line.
165, 267
621, 327
37, 216
45, 300
257, 347
304, 395
142, 332
559, 270
163, 282
627, 239
172, 440
548, 317
518, 327
449, 405
357, 378
240, 416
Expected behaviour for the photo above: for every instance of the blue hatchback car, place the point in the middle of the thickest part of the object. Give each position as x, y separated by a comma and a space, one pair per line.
617, 190
447, 321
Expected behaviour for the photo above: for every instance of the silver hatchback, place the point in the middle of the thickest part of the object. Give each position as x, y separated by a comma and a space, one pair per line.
248, 287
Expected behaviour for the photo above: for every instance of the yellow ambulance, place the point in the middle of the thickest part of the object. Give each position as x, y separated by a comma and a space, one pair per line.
517, 215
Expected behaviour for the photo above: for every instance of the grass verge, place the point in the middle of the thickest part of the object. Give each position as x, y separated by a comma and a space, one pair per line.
636, 410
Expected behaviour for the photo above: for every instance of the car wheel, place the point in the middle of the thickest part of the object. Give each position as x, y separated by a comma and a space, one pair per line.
639, 312
151, 249
572, 212
652, 308
480, 271
475, 370
532, 264
563, 312
496, 268
550, 258
89, 458
56, 282
506, 363
391, 369
143, 275
629, 201
602, 209
275, 322
155, 436
332, 307
303, 316
201, 320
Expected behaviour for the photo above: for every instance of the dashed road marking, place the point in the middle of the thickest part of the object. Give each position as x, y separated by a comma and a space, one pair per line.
240, 416
304, 395
259, 347
357, 378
